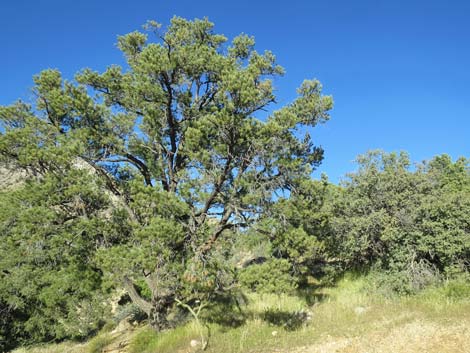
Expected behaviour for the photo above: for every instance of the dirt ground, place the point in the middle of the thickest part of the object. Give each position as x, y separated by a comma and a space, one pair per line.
419, 336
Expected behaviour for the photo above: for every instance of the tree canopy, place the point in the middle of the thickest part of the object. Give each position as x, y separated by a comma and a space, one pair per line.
151, 169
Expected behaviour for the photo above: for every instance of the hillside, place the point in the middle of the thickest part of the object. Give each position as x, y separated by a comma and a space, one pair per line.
10, 177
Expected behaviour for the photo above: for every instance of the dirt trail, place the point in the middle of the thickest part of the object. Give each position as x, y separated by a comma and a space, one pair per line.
418, 336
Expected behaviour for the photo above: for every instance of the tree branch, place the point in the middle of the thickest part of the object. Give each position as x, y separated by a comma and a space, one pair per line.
223, 225
142, 167
215, 191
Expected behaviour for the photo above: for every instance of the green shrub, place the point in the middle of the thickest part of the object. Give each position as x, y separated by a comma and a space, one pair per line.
457, 289
272, 276
410, 225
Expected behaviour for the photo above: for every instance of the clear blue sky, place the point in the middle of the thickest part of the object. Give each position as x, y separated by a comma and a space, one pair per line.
398, 70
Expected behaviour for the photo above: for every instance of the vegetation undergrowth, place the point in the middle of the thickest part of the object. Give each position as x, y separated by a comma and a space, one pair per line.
98, 343
347, 311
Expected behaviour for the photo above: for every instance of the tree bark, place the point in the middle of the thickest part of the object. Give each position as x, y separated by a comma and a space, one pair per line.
136, 298
157, 310
158, 317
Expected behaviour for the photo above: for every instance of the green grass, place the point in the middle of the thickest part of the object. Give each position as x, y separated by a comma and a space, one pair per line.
98, 343
67, 347
147, 340
345, 311
348, 313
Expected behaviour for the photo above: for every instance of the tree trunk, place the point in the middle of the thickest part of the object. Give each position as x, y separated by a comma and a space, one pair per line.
157, 310
158, 317
136, 298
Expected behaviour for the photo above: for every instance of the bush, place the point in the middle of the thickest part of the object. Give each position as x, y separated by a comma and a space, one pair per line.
410, 226
457, 289
272, 276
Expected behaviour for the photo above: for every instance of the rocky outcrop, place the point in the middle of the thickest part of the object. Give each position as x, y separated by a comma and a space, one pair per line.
10, 177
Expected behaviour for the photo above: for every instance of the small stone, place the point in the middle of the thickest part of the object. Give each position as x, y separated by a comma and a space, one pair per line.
194, 343
274, 333
359, 310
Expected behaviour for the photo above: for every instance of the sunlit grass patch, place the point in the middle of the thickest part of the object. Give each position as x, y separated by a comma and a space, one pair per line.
348, 317
147, 340
98, 343
66, 347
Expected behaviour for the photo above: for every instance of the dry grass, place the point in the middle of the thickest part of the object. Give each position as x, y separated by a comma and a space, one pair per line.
417, 336
348, 319
68, 347
343, 319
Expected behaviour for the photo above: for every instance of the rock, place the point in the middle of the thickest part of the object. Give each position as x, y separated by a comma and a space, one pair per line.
11, 178
274, 333
194, 343
124, 325
359, 310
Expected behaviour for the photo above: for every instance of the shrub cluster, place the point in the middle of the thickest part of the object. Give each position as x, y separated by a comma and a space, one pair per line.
407, 225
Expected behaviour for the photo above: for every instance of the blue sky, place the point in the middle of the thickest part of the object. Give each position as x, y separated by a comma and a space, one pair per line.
398, 70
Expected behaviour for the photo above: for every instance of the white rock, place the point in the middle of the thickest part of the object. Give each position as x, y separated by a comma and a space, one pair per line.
124, 325
194, 343
359, 310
